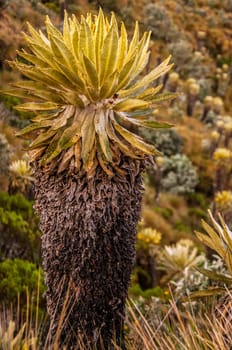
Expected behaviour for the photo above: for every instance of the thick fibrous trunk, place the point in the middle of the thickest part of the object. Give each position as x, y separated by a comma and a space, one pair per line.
88, 246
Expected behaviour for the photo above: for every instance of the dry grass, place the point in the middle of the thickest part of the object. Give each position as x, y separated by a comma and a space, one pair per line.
171, 328
182, 329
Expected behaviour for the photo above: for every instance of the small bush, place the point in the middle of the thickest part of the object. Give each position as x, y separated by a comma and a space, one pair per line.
158, 20
169, 142
179, 176
19, 277
19, 234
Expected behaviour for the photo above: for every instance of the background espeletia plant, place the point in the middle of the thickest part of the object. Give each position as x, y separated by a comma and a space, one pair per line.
20, 176
179, 176
4, 154
192, 280
185, 61
167, 141
178, 259
158, 20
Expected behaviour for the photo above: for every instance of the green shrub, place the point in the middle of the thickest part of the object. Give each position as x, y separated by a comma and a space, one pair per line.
17, 277
10, 101
19, 233
181, 227
198, 199
167, 213
54, 6
158, 292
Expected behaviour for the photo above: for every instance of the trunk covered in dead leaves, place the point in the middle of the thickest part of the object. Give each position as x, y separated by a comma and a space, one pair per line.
88, 246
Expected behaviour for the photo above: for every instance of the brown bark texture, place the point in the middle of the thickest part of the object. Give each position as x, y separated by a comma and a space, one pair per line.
88, 247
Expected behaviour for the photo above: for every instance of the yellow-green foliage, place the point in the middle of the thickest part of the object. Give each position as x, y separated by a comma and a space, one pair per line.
87, 92
219, 238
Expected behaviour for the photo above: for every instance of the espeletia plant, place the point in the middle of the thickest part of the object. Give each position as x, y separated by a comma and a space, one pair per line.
186, 62
20, 176
86, 87
158, 20
179, 176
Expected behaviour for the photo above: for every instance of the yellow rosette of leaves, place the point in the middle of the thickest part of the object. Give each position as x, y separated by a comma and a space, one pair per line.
84, 85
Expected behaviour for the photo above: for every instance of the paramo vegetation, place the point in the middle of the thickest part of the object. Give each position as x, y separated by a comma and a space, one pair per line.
116, 134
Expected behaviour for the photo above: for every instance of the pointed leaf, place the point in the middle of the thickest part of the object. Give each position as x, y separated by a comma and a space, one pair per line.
36, 37
91, 72
52, 150
73, 78
126, 73
52, 30
32, 59
134, 139
150, 77
33, 127
123, 46
44, 54
203, 293
215, 245
130, 105
43, 139
63, 54
109, 88
86, 43
103, 164
67, 31
142, 113
215, 238
33, 106
124, 147
63, 117
66, 159
141, 58
17, 93
134, 42
142, 95
162, 97
48, 76
37, 153
144, 123
99, 37
87, 135
109, 53
143, 54
90, 161
100, 127
215, 275
70, 136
